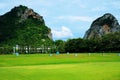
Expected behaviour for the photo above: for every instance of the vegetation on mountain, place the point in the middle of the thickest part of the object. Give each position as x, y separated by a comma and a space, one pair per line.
23, 26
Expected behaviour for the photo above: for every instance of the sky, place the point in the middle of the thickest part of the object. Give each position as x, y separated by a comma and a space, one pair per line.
67, 18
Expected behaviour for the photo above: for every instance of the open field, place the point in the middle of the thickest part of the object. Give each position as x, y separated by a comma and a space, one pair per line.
60, 67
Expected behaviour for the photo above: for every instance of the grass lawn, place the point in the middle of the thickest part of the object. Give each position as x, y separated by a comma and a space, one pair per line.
60, 67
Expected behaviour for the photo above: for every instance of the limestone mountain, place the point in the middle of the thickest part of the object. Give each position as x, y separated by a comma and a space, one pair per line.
22, 25
101, 26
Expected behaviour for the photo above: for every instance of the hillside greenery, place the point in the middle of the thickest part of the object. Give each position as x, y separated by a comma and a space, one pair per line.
15, 30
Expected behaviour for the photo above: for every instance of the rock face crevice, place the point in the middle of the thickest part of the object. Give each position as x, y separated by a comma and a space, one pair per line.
101, 26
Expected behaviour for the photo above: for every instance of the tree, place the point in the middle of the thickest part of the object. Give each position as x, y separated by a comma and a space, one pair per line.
76, 45
111, 42
60, 45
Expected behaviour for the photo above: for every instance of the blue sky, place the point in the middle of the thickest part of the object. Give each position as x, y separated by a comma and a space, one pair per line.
67, 18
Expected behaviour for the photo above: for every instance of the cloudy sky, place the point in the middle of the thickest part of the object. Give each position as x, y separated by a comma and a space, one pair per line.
67, 18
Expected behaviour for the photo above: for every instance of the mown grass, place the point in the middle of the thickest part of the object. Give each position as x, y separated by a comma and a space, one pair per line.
60, 67
40, 59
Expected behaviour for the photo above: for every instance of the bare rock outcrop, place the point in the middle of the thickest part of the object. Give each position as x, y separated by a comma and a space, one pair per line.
101, 26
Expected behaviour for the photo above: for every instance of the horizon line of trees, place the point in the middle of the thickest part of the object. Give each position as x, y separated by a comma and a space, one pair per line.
108, 43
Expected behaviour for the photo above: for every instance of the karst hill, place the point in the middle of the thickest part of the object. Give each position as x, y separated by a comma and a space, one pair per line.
21, 25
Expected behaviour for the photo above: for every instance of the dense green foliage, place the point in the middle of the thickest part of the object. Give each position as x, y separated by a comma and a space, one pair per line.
60, 67
27, 30
111, 42
108, 43
60, 46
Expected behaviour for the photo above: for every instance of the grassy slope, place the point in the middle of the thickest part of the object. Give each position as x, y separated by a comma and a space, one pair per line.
82, 67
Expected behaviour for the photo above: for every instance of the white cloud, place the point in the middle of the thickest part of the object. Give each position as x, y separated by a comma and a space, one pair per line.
77, 18
62, 33
79, 3
99, 9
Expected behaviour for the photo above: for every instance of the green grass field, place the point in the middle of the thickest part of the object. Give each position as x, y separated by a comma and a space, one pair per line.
60, 67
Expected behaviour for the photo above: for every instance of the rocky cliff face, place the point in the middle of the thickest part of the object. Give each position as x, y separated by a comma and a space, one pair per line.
101, 26
26, 13
23, 25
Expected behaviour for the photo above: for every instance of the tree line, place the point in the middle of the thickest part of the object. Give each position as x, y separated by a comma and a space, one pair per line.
108, 43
